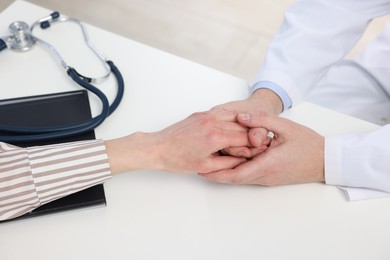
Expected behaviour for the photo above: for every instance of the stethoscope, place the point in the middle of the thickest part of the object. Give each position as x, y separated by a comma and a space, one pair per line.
21, 39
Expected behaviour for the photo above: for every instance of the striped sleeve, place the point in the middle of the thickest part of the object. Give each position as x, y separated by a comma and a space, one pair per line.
31, 177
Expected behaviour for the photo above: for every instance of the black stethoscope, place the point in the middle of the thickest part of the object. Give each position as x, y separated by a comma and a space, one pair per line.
22, 39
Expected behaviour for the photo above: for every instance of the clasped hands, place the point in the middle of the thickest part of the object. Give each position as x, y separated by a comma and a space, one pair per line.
232, 144
228, 144
291, 154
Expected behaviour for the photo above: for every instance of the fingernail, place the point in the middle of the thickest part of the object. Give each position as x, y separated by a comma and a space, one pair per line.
258, 138
244, 117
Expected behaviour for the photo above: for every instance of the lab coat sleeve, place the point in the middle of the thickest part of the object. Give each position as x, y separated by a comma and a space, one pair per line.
314, 35
31, 177
359, 163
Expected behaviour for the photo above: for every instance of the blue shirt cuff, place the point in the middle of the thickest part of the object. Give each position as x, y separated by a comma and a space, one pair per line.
286, 100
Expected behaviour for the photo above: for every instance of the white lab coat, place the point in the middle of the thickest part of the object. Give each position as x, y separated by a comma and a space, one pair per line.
304, 58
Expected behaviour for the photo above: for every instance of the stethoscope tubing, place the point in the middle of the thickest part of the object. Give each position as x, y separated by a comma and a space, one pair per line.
38, 134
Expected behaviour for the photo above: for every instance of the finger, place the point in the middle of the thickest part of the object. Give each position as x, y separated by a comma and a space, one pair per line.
247, 152
233, 139
238, 151
273, 123
258, 137
257, 150
219, 163
224, 115
230, 126
268, 141
245, 173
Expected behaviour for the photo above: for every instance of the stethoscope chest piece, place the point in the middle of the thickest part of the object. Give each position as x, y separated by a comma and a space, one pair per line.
20, 38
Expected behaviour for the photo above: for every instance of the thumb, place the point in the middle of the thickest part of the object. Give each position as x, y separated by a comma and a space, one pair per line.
270, 122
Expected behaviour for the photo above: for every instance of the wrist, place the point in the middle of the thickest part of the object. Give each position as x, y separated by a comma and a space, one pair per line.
269, 99
132, 152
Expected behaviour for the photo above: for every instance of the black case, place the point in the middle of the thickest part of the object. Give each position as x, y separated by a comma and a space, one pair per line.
54, 110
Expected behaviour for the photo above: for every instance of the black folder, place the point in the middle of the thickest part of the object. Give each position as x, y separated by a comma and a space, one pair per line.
54, 110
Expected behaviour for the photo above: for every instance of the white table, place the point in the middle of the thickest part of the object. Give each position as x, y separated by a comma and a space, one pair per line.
154, 215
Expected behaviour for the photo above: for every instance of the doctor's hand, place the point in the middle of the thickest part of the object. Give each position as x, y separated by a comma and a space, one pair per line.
295, 155
263, 100
191, 145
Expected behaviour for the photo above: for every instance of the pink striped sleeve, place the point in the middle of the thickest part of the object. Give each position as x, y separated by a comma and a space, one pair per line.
30, 177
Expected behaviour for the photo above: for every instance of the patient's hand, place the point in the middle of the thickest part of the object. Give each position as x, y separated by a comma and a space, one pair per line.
194, 144
191, 145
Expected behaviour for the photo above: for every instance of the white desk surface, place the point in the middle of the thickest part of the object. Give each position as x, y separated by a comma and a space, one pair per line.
154, 215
